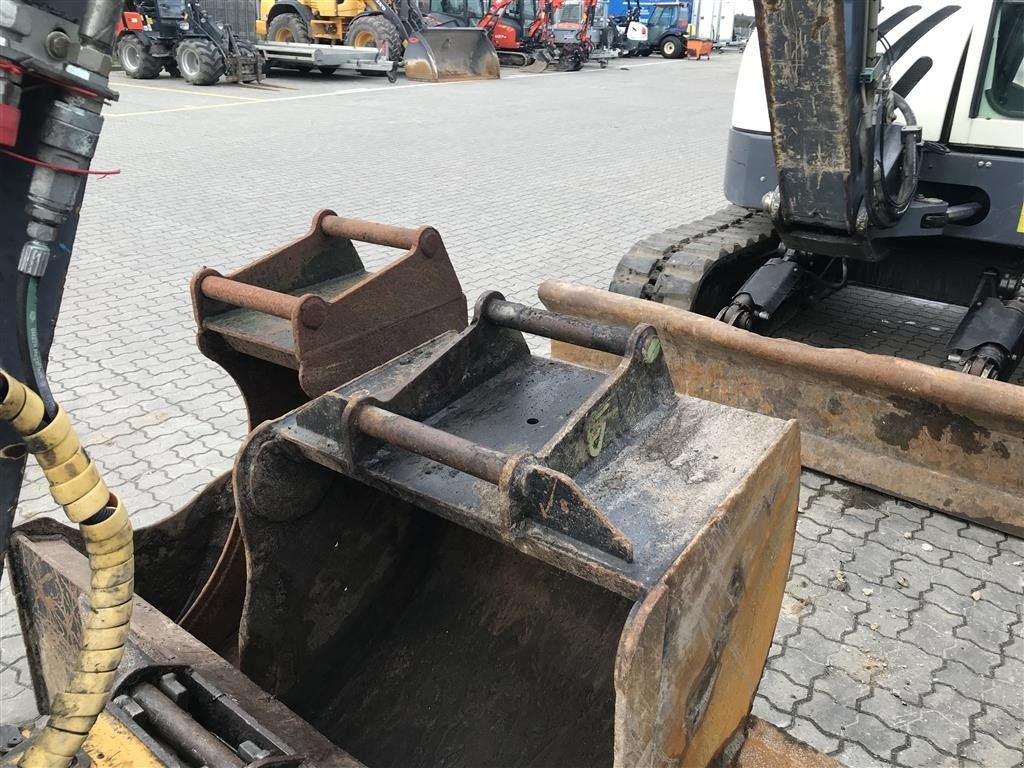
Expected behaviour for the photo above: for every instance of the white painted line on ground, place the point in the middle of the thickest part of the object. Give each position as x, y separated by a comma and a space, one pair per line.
244, 102
196, 92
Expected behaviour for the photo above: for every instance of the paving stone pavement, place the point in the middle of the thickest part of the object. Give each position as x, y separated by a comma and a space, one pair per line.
901, 667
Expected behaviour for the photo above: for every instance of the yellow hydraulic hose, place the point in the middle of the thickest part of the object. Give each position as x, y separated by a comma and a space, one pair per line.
75, 484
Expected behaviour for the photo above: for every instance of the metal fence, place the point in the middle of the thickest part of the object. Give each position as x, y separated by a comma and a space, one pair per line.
240, 14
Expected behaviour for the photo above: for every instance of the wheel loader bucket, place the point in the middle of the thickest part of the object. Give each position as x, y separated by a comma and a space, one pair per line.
938, 438
438, 54
472, 556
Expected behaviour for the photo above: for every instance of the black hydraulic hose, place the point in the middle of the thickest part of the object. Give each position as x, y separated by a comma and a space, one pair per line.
884, 208
908, 185
35, 350
21, 327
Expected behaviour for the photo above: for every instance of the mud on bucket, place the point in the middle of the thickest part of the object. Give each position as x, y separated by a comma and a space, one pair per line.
440, 54
474, 556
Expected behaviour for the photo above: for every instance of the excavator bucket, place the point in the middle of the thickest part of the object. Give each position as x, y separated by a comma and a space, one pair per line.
541, 61
938, 438
301, 320
473, 556
438, 54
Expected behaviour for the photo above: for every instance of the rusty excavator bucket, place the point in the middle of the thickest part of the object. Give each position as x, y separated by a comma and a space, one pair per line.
473, 556
438, 54
451, 551
942, 439
288, 327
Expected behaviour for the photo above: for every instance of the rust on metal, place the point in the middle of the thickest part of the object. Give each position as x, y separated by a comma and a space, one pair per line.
572, 330
339, 319
767, 746
370, 232
934, 437
52, 581
183, 733
249, 296
617, 595
302, 320
424, 440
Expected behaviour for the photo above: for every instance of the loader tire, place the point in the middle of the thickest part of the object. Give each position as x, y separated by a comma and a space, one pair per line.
671, 47
288, 28
371, 30
698, 266
200, 62
136, 60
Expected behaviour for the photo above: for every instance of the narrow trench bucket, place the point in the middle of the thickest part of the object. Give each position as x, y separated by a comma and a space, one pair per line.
472, 556
291, 325
440, 54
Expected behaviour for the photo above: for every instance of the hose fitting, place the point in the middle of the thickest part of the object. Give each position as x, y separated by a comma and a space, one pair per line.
76, 485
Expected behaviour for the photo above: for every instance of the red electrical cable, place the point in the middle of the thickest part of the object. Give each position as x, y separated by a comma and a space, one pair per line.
65, 169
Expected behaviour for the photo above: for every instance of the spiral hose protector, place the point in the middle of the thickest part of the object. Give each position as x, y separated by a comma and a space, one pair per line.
76, 485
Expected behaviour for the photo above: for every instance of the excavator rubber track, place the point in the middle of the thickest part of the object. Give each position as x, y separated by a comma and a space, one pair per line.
670, 267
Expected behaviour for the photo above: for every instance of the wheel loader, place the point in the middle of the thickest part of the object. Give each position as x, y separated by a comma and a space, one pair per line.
177, 36
428, 54
882, 146
434, 547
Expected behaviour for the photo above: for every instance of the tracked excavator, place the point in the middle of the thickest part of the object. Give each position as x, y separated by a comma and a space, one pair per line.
877, 144
917, 190
434, 547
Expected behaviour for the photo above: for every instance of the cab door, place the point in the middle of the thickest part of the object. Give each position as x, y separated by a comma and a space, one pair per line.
989, 109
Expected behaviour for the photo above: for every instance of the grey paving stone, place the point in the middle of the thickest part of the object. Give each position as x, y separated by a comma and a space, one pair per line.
762, 708
1000, 725
827, 714
920, 754
876, 736
853, 755
841, 687
983, 750
806, 731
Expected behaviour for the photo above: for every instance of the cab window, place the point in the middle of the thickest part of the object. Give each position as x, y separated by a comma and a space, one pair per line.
1002, 85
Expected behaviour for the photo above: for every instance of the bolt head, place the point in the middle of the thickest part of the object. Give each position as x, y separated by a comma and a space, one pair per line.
58, 44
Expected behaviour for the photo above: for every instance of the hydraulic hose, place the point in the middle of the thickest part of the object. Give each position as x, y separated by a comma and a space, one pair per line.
21, 327
76, 485
35, 351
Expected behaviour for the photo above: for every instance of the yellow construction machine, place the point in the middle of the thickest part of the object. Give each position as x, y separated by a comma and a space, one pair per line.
428, 53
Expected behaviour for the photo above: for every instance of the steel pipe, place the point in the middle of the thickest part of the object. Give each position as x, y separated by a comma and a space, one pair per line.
572, 330
369, 232
436, 444
249, 296
191, 740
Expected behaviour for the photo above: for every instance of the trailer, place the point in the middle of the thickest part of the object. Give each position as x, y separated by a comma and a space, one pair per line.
328, 58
